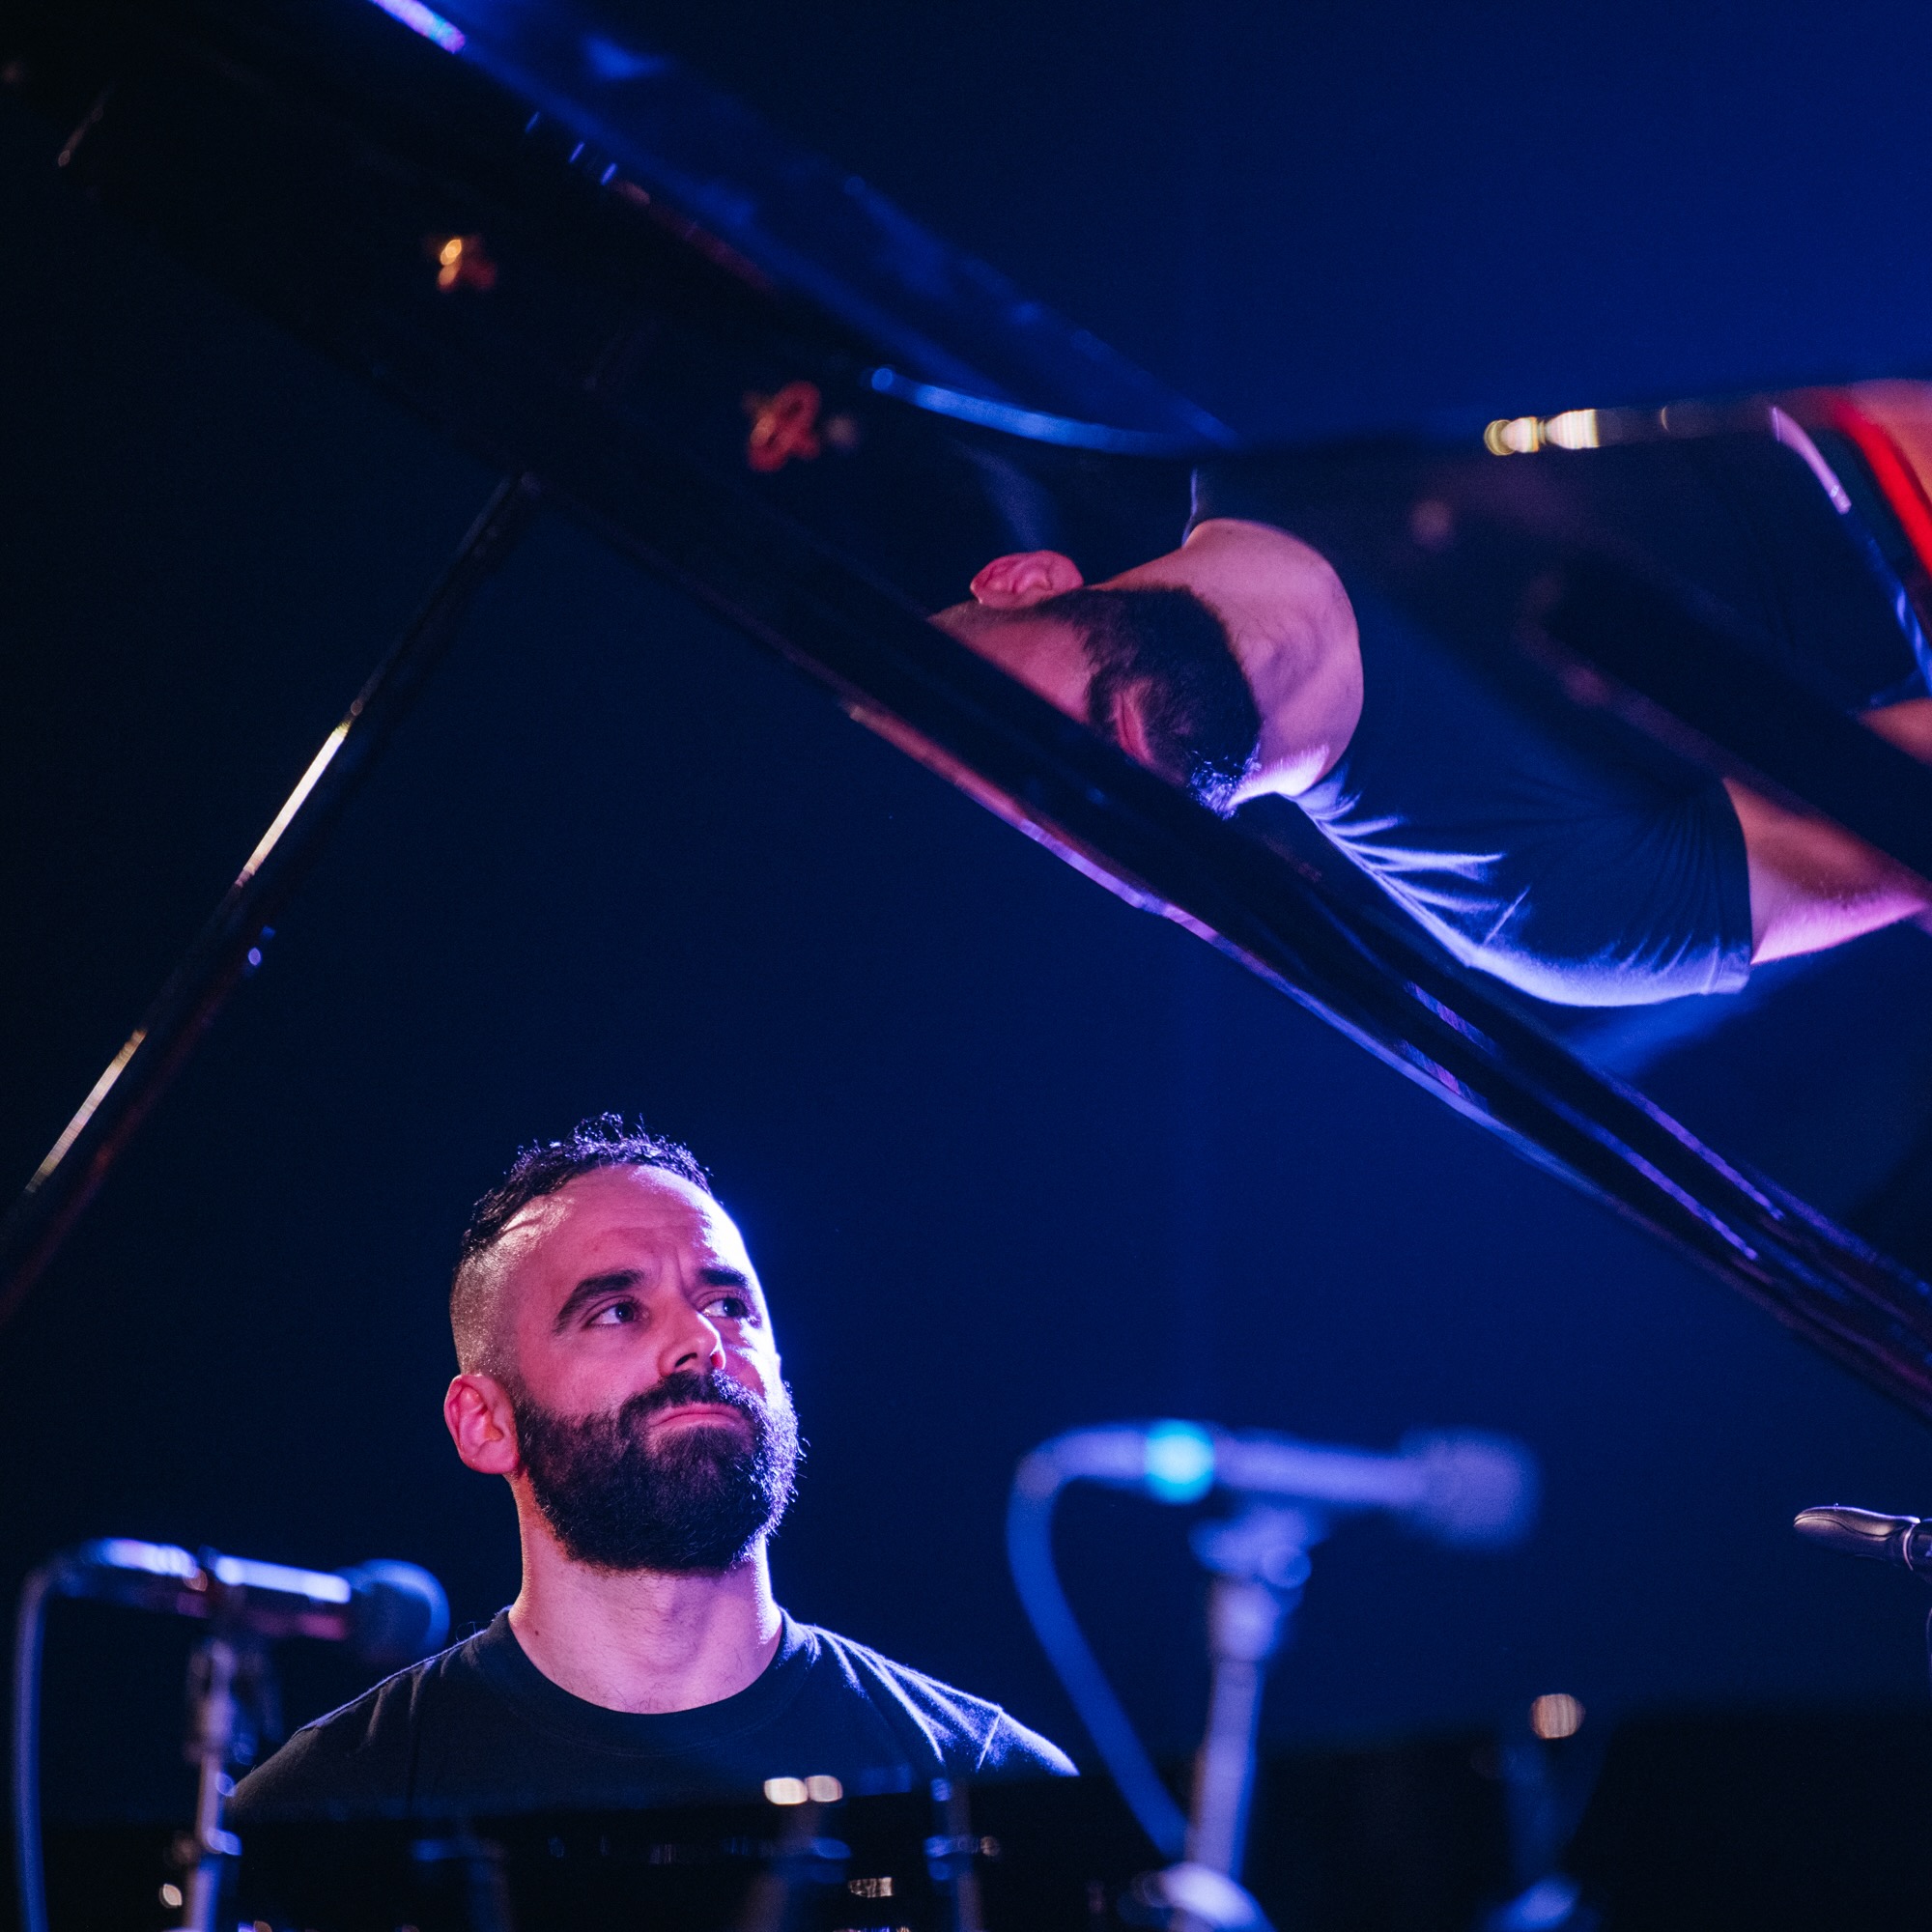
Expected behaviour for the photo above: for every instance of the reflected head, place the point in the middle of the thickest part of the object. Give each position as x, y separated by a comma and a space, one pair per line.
1150, 669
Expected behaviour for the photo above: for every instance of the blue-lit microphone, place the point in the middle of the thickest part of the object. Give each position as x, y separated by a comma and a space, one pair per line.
1903, 1540
1468, 1490
387, 1613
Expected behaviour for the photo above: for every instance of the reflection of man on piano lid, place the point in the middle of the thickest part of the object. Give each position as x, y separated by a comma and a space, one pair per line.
619, 1371
1267, 655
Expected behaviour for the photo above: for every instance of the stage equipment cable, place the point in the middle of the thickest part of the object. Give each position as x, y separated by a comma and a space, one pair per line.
29, 1630
1037, 1489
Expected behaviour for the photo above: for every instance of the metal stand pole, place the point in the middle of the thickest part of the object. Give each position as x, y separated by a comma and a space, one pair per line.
1246, 1621
1259, 1561
217, 1727
951, 1853
229, 947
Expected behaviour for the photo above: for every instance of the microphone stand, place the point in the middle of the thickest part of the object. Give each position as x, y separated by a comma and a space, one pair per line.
388, 1612
1258, 1560
229, 1693
214, 1718
1463, 1490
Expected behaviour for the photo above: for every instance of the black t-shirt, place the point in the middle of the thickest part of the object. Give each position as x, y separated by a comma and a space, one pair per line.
480, 1728
1548, 847
1579, 879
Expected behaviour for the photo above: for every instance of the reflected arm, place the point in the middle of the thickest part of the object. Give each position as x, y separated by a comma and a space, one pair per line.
1813, 884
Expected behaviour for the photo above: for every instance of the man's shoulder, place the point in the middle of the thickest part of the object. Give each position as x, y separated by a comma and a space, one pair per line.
356, 1760
974, 1737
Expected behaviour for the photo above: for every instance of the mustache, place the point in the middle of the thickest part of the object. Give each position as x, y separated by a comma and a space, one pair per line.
685, 1388
619, 1500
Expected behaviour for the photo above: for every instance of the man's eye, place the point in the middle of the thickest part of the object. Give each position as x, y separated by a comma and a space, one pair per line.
614, 1316
733, 1307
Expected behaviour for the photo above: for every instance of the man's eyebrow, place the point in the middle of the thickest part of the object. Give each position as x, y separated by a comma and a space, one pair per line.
712, 1274
591, 1286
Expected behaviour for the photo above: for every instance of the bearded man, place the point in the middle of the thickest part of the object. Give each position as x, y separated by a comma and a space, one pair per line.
618, 1368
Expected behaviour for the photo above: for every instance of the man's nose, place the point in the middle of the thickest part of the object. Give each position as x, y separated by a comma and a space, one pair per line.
691, 1344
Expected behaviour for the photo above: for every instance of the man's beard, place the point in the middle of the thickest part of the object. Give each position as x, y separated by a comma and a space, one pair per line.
697, 1499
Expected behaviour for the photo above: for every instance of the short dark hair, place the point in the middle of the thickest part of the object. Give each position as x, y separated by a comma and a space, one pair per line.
1202, 724
543, 1167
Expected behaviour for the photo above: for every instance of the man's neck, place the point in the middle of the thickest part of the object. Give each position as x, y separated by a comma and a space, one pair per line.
643, 1640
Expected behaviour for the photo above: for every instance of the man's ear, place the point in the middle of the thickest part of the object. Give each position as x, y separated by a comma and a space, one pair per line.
1026, 577
482, 1424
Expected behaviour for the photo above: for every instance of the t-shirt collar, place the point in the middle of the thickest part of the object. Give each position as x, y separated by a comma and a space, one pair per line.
507, 1665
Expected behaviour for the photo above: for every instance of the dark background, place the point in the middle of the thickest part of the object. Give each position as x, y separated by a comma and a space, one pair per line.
1010, 1157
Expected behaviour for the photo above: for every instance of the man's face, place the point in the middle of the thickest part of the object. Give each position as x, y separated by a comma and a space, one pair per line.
1147, 660
653, 1426
1044, 653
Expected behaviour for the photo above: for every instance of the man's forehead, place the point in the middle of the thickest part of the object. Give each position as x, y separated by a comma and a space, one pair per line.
617, 1208
974, 624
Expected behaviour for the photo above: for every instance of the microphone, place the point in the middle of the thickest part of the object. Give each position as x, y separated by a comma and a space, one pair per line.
1465, 1488
387, 1613
1475, 1491
1903, 1540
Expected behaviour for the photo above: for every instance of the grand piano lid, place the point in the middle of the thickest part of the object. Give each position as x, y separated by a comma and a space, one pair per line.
953, 334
